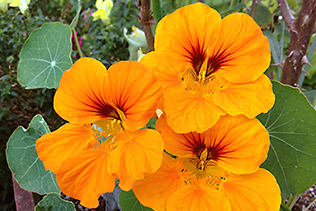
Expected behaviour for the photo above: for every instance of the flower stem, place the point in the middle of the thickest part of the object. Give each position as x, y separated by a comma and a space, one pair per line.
77, 42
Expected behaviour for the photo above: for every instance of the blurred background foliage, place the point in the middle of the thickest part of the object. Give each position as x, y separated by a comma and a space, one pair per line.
107, 44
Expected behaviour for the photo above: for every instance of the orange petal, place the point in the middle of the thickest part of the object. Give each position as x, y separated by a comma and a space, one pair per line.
188, 112
249, 99
168, 71
84, 176
245, 48
53, 148
199, 196
179, 144
154, 190
187, 36
136, 153
257, 191
135, 91
238, 144
83, 93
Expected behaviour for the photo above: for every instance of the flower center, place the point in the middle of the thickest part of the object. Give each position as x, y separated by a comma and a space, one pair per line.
202, 161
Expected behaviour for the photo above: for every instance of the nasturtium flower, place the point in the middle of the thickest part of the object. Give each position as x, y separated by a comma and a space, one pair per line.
234, 144
105, 138
214, 170
174, 188
104, 10
126, 95
210, 67
22, 4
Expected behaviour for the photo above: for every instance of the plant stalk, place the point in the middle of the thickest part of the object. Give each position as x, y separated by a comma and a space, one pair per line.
77, 43
146, 18
301, 30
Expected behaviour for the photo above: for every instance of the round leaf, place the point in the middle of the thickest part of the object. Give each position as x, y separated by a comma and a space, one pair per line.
129, 202
45, 56
23, 161
291, 124
53, 202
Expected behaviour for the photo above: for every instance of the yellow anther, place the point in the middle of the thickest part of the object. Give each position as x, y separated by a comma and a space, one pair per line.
202, 162
135, 30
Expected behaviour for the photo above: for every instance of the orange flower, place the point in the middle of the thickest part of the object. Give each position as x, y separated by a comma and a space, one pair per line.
104, 139
210, 66
175, 188
212, 169
234, 144
127, 94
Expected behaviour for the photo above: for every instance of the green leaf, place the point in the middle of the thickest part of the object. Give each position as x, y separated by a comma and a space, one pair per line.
234, 9
284, 207
45, 56
74, 21
129, 202
291, 124
53, 202
263, 15
151, 123
23, 160
274, 45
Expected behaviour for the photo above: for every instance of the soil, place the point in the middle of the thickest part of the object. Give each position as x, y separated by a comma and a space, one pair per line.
306, 199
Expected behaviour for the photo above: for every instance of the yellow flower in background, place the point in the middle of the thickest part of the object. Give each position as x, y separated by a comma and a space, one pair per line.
136, 42
4, 5
22, 4
104, 10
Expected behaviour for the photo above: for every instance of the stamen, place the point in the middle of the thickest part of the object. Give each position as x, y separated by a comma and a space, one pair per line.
203, 161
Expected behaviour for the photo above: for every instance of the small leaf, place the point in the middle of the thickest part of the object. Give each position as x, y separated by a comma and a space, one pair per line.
284, 208
129, 202
234, 9
45, 56
53, 202
23, 160
263, 15
74, 21
291, 124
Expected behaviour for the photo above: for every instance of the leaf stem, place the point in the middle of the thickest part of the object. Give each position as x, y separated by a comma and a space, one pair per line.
77, 42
